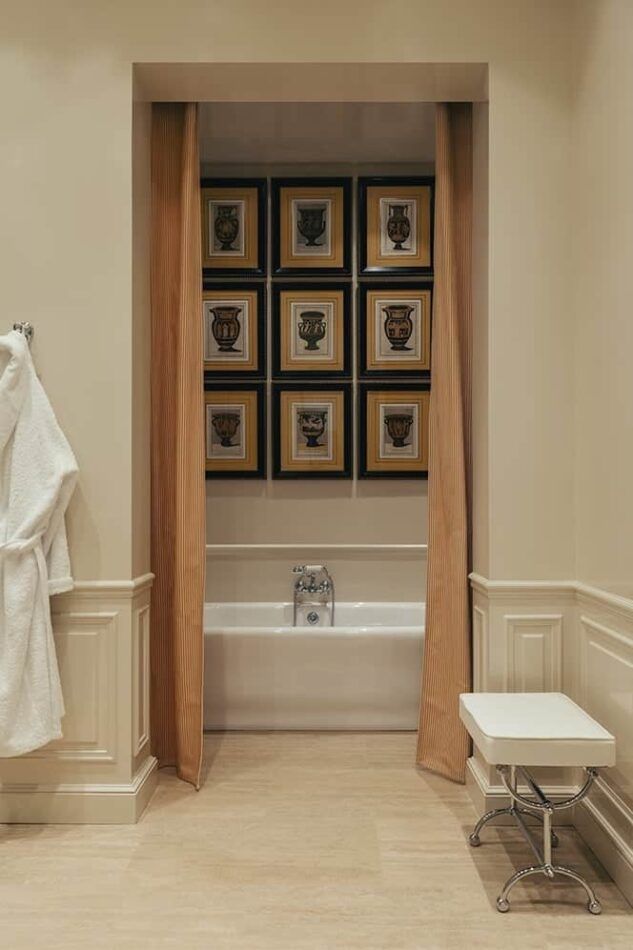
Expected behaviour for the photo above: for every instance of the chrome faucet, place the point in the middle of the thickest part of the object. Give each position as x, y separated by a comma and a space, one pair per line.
313, 581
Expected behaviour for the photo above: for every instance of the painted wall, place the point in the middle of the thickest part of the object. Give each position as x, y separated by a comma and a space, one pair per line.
66, 194
601, 294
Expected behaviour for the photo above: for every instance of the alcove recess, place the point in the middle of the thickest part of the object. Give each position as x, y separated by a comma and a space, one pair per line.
256, 528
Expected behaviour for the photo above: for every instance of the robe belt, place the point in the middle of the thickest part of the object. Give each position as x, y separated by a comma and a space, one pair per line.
21, 545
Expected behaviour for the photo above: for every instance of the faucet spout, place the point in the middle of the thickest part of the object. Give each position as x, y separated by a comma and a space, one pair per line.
306, 584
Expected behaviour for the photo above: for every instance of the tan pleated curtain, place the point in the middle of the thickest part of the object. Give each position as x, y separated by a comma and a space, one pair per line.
178, 495
443, 743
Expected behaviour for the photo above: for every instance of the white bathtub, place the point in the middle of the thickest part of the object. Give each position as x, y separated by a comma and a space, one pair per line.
263, 673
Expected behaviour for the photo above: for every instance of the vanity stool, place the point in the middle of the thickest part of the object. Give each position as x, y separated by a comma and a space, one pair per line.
514, 731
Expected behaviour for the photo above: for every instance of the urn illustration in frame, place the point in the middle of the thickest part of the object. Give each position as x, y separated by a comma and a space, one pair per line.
398, 426
398, 325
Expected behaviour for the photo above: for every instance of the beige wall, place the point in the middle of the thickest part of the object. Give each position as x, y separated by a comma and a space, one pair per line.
66, 193
601, 296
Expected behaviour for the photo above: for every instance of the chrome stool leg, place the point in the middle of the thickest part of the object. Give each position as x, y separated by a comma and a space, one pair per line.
541, 808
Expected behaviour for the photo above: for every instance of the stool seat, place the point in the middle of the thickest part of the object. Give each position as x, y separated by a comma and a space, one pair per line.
535, 729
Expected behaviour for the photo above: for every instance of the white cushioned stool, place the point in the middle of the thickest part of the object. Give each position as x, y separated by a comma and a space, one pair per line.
516, 730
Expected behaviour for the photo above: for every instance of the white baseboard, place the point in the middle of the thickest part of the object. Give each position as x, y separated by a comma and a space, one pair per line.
64, 804
606, 824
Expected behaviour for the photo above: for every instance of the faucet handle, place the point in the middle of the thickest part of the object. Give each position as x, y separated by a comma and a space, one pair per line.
299, 569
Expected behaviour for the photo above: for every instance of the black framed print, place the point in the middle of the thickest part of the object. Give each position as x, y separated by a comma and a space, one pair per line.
311, 226
234, 329
393, 437
233, 226
235, 430
311, 330
394, 329
312, 430
395, 227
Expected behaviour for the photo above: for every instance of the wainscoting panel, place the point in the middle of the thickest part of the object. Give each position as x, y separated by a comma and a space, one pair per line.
86, 645
480, 649
606, 687
534, 643
101, 770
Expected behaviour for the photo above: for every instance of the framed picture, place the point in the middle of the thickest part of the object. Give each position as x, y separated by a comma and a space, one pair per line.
233, 226
311, 226
235, 426
394, 329
394, 430
311, 330
312, 430
234, 328
396, 225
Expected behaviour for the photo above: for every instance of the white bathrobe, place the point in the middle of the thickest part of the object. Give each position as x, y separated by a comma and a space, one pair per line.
38, 472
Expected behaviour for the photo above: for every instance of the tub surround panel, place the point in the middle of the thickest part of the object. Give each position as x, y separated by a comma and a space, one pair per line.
262, 572
101, 770
363, 673
567, 636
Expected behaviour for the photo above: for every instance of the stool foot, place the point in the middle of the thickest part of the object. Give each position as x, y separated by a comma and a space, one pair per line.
474, 839
502, 905
593, 904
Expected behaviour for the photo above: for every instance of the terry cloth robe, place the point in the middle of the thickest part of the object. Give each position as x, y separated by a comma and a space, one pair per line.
38, 472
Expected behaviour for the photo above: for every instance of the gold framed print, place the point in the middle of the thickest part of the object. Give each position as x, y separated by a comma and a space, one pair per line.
311, 224
394, 330
234, 329
396, 225
394, 430
235, 430
233, 226
311, 330
312, 430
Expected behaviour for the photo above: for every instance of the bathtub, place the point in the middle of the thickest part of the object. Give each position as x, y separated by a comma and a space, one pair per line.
263, 673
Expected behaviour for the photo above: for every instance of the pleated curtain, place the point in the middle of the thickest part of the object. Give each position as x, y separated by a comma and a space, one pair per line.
443, 744
177, 442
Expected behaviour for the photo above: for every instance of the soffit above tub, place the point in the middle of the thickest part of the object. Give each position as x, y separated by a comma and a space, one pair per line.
288, 132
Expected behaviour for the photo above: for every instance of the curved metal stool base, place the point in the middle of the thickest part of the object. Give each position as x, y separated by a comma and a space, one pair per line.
542, 809
503, 904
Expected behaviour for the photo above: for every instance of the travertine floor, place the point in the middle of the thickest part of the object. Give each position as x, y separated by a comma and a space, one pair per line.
295, 841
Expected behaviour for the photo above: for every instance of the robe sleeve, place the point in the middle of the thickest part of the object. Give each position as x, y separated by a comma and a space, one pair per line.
58, 562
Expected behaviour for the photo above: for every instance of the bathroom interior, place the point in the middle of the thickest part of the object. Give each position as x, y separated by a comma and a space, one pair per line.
263, 743
350, 657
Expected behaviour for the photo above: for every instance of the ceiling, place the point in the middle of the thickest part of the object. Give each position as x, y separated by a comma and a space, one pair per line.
284, 132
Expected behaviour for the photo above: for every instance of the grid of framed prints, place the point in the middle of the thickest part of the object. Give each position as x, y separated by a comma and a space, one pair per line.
309, 288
